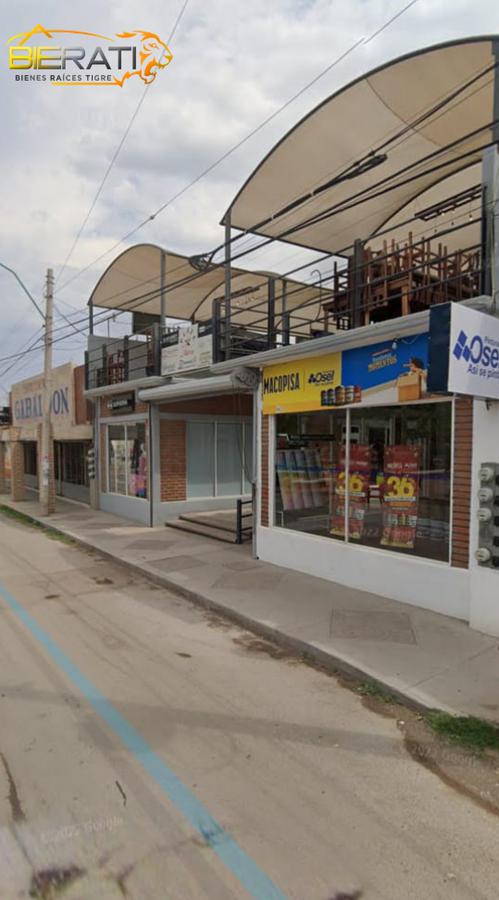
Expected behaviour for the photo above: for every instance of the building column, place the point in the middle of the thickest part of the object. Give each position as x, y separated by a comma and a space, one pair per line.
3, 472
51, 472
17, 489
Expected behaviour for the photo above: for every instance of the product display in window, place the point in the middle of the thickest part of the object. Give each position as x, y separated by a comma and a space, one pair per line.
127, 460
398, 478
358, 492
400, 493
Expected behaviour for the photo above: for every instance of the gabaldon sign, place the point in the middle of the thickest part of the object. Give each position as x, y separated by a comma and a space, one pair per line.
463, 351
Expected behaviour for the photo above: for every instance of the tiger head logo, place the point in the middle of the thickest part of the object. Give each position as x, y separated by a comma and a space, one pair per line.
153, 54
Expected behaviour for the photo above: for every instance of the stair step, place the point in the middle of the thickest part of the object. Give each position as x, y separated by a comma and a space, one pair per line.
208, 523
203, 530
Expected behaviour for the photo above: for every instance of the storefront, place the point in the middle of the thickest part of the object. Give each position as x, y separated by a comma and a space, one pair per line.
71, 432
365, 475
173, 452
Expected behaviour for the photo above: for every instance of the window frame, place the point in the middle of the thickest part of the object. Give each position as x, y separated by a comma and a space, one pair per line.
125, 425
346, 539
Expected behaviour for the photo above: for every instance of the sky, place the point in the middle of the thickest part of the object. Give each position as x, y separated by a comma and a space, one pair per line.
234, 64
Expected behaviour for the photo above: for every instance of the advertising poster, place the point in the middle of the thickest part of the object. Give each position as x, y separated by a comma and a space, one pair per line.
358, 487
388, 372
382, 373
400, 493
193, 351
299, 385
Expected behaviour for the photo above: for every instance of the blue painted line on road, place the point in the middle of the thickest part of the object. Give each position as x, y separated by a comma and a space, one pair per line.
253, 879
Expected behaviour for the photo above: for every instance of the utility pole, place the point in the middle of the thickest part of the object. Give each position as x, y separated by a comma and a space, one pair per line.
46, 501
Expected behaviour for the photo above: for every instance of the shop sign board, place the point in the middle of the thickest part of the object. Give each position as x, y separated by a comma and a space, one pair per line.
27, 398
383, 373
297, 386
123, 403
464, 351
192, 351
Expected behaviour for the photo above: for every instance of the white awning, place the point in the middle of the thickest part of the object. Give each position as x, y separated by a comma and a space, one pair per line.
190, 388
133, 282
430, 113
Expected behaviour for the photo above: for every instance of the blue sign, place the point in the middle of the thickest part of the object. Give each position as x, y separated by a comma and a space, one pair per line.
464, 351
379, 364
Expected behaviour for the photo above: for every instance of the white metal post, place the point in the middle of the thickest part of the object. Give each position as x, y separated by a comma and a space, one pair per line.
46, 456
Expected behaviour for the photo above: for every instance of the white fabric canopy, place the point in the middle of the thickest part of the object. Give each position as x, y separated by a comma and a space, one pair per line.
132, 282
408, 109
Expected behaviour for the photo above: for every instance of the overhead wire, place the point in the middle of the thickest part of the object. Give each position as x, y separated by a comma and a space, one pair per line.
116, 153
241, 142
330, 211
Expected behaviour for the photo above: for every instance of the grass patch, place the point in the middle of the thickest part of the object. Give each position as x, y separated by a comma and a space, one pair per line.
373, 689
25, 520
468, 731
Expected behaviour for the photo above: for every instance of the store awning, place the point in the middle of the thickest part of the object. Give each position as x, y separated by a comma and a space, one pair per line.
191, 388
401, 133
133, 281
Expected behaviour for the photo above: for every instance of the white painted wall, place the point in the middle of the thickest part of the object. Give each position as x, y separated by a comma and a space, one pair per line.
484, 582
419, 582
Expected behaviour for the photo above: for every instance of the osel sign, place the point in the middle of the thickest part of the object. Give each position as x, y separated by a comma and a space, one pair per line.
296, 386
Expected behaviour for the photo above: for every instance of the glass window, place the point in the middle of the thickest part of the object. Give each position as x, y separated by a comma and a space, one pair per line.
200, 459
127, 456
308, 453
400, 479
396, 465
219, 459
137, 460
229, 458
117, 459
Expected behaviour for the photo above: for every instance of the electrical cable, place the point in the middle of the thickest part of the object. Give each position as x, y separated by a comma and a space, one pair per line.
240, 143
333, 210
398, 136
116, 153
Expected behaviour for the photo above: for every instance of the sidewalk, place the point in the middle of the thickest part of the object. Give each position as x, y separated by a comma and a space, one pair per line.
427, 658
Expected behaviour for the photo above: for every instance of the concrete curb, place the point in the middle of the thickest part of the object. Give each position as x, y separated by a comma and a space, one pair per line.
333, 664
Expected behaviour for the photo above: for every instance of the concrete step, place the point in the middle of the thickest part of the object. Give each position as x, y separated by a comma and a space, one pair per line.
207, 522
217, 534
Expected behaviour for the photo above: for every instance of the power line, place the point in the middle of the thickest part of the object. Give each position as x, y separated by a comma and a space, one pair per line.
396, 139
331, 211
117, 152
240, 143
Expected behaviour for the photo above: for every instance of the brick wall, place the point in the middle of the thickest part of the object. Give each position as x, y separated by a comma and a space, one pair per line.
17, 470
264, 499
82, 409
3, 468
173, 459
463, 436
224, 405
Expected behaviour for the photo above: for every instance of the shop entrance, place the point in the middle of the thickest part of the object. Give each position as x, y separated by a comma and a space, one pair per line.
70, 467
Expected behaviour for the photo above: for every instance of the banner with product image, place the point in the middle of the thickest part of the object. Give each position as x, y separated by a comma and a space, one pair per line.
400, 493
358, 493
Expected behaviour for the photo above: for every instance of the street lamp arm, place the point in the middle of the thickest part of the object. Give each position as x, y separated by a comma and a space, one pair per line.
25, 289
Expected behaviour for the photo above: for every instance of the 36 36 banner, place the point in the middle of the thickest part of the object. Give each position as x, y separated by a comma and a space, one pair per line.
358, 493
400, 492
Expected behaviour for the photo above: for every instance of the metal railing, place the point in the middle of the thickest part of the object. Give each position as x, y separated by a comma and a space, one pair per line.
110, 361
243, 531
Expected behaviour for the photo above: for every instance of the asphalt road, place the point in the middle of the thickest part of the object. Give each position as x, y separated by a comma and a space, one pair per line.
148, 750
